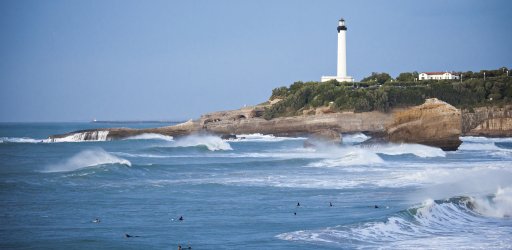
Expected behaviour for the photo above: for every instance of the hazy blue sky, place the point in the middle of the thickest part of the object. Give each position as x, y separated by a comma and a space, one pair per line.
132, 60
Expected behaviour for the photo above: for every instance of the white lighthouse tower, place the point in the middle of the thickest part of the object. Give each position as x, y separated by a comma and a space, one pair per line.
341, 69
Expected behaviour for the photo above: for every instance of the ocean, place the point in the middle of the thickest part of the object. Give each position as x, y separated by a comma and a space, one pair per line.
259, 192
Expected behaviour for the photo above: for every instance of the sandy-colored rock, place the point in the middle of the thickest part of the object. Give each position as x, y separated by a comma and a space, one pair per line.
488, 121
435, 123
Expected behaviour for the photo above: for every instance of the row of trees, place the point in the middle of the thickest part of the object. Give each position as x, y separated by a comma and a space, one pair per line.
362, 96
382, 77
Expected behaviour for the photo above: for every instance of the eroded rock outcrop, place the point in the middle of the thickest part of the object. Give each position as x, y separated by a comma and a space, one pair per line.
488, 121
434, 123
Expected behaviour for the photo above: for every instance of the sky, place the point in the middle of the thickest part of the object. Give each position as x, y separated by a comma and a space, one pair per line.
75, 60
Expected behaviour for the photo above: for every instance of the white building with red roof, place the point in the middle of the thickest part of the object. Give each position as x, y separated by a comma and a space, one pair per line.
437, 76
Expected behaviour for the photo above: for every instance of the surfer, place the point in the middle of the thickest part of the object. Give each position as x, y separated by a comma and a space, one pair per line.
298, 204
294, 213
130, 236
96, 220
181, 218
376, 206
330, 204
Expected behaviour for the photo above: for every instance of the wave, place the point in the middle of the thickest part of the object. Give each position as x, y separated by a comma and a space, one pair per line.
485, 139
213, 143
87, 158
354, 138
151, 136
98, 135
349, 157
445, 223
263, 138
19, 140
401, 149
481, 146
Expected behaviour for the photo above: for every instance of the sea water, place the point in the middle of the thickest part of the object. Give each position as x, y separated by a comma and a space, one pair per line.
244, 193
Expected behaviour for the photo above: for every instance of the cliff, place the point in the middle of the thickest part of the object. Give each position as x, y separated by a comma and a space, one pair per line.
237, 122
488, 121
434, 123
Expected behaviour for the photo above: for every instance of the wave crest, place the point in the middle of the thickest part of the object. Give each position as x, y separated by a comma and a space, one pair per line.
151, 136
257, 137
421, 225
19, 140
87, 158
419, 150
213, 143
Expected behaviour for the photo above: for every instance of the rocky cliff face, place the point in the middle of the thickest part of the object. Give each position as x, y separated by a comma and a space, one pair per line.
235, 122
435, 123
106, 134
488, 121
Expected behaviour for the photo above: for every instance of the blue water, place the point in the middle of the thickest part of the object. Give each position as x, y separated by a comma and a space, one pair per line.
243, 194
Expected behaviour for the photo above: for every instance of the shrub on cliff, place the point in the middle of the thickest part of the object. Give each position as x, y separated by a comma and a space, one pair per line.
367, 96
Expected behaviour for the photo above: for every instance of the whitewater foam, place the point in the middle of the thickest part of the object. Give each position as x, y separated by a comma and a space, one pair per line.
19, 140
151, 136
481, 146
401, 149
213, 143
430, 224
99, 135
349, 157
498, 205
257, 137
351, 139
87, 158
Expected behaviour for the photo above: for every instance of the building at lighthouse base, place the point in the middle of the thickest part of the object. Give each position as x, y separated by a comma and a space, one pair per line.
337, 78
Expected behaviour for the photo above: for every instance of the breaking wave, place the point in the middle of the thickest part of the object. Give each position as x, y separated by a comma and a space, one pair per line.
489, 146
484, 139
428, 225
151, 136
349, 157
354, 138
19, 140
82, 136
87, 158
264, 138
213, 143
356, 155
401, 149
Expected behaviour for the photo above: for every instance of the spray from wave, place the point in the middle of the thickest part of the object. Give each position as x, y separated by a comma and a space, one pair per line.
351, 139
151, 136
213, 143
87, 158
401, 149
257, 137
19, 140
75, 137
82, 136
347, 156
431, 224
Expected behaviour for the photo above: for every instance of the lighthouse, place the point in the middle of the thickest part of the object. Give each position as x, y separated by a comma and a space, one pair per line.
341, 69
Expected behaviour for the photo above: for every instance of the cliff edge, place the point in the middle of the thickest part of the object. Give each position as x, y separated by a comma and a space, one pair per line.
434, 123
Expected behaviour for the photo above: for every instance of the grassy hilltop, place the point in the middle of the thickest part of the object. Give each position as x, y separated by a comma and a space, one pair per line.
381, 92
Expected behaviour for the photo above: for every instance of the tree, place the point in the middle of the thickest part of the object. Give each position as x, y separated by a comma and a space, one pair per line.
407, 76
381, 78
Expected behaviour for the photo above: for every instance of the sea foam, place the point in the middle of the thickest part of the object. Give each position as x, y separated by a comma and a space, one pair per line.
257, 137
423, 226
213, 143
151, 136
